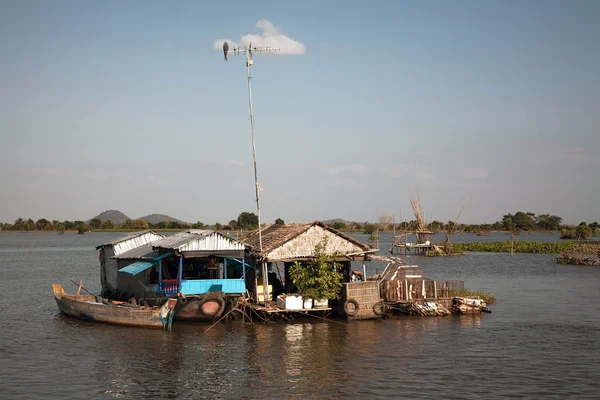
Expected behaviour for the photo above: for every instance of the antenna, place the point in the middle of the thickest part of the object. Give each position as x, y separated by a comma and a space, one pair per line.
248, 51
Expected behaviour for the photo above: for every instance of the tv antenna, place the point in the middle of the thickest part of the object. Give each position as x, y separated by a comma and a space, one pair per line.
248, 51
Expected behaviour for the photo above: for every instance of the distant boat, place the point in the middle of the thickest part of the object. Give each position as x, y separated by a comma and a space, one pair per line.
95, 308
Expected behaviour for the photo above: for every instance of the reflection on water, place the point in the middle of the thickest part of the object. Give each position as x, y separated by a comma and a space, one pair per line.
541, 340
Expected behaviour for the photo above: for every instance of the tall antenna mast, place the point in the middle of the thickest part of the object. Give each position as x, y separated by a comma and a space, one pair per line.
247, 51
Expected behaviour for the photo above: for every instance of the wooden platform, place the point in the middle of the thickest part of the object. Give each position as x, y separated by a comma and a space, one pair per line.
274, 309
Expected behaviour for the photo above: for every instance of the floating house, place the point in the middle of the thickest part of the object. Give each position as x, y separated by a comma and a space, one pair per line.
282, 245
193, 262
110, 251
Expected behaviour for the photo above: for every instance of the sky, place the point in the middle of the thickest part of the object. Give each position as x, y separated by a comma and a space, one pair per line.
131, 106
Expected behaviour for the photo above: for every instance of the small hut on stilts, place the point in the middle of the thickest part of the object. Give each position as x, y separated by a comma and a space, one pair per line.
285, 244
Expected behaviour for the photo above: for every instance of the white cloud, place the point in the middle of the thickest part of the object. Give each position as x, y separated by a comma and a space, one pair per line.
474, 173
271, 36
354, 170
234, 163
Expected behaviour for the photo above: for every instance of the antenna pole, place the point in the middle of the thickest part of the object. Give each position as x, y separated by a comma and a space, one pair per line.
248, 64
247, 51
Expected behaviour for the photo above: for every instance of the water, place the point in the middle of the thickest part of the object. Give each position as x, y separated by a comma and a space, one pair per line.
540, 341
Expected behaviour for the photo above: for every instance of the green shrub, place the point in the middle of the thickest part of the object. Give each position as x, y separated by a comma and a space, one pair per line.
318, 278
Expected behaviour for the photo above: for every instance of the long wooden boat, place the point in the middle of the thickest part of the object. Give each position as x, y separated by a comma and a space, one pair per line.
94, 308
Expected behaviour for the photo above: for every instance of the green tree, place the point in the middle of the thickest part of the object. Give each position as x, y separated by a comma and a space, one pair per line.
435, 226
247, 220
583, 231
339, 225
279, 221
80, 226
19, 225
30, 225
43, 224
198, 225
317, 278
95, 223
218, 226
140, 224
369, 229
107, 225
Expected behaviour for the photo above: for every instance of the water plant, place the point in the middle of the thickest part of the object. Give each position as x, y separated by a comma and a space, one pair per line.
519, 247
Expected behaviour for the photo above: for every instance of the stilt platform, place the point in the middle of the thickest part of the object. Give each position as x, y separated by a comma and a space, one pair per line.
273, 309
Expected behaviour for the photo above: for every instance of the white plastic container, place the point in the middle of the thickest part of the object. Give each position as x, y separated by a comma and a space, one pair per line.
308, 304
290, 302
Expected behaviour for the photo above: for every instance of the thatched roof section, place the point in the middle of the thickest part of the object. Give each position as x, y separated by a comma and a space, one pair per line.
297, 242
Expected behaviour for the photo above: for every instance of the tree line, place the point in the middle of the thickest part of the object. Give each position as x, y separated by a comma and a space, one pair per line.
244, 221
515, 223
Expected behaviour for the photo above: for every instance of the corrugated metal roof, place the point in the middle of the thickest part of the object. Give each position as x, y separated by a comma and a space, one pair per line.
132, 240
137, 267
144, 252
198, 240
127, 236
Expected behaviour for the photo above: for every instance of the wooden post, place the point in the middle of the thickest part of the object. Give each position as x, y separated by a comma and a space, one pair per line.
364, 271
159, 272
180, 271
244, 269
225, 268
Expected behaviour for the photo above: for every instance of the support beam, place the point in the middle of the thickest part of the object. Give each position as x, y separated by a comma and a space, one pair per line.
180, 271
364, 272
224, 268
159, 271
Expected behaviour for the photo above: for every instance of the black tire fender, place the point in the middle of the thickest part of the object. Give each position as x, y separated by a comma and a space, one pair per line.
217, 299
347, 310
379, 308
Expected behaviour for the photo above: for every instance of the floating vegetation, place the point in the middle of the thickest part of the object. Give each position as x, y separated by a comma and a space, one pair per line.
581, 253
489, 298
517, 246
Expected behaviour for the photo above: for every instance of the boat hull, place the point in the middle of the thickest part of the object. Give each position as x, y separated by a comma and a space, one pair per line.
92, 308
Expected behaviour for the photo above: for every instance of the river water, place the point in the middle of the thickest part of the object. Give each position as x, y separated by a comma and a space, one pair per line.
542, 339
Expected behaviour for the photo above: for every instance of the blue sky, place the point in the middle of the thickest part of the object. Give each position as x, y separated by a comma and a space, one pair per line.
128, 106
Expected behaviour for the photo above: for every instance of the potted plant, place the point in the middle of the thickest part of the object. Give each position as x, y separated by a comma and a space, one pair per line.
317, 279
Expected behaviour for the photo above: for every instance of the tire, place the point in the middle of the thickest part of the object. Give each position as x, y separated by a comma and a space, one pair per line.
217, 310
351, 312
379, 308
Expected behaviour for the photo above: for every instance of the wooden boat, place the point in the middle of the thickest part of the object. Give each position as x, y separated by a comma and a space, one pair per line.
206, 307
95, 308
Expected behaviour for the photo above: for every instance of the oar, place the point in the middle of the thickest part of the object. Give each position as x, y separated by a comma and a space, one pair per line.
80, 285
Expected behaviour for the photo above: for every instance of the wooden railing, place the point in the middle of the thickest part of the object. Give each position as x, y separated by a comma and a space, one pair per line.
169, 286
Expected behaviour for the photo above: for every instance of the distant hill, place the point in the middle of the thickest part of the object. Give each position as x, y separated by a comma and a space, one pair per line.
156, 218
114, 216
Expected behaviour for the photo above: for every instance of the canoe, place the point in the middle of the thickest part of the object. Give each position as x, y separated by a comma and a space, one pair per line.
95, 308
